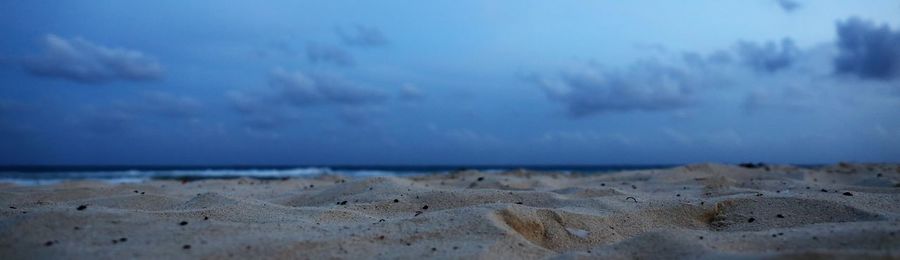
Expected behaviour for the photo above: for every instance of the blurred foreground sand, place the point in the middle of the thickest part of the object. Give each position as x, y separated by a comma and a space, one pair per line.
697, 211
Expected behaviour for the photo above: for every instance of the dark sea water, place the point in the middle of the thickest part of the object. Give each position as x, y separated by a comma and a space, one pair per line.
52, 174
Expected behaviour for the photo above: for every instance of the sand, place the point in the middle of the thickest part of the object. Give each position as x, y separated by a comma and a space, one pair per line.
696, 211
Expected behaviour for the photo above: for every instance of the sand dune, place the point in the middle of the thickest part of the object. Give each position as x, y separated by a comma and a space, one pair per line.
696, 211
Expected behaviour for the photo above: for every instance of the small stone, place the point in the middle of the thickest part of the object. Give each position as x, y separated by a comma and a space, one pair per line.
396, 200
182, 223
578, 232
425, 207
750, 220
779, 216
82, 207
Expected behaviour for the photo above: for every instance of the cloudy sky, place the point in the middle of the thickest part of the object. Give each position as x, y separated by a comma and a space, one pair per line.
448, 82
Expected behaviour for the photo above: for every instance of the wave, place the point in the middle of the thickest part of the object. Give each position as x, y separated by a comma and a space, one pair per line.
39, 178
50, 175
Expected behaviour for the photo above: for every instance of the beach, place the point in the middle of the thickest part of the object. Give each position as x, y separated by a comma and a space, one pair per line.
694, 211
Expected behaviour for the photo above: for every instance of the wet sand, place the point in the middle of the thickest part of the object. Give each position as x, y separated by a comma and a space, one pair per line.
696, 211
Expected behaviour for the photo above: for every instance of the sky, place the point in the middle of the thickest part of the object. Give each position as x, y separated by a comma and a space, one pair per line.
448, 82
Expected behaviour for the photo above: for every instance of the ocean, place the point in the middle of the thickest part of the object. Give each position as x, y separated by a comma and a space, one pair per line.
36, 175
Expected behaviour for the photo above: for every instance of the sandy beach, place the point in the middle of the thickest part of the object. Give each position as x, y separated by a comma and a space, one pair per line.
695, 211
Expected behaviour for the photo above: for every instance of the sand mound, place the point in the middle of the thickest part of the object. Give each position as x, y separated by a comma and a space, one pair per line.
695, 211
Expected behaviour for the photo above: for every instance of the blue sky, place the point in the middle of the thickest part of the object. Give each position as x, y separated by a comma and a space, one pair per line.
449, 82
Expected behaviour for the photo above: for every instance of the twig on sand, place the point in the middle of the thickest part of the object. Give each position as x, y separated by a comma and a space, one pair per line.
635, 200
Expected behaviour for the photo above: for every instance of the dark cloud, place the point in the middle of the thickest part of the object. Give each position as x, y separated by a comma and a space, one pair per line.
645, 86
320, 53
362, 36
867, 50
82, 61
789, 5
768, 57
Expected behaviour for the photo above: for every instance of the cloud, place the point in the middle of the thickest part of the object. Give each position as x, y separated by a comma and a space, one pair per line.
273, 107
645, 86
82, 61
108, 122
362, 36
410, 92
867, 50
768, 57
320, 53
303, 89
789, 5
585, 138
127, 115
168, 106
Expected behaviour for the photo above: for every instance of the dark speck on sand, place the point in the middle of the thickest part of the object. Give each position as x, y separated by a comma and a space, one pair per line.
848, 194
186, 247
182, 223
750, 220
82, 207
